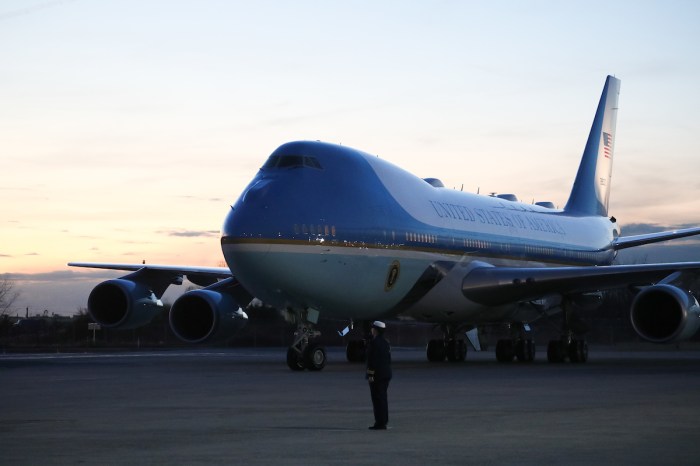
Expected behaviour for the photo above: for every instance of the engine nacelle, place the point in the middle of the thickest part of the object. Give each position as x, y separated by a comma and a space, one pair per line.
665, 313
206, 315
123, 304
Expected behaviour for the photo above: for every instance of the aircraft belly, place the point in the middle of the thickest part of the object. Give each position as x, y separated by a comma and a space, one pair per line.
319, 277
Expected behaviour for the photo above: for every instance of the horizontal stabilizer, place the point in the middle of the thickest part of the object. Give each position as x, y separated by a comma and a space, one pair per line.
625, 242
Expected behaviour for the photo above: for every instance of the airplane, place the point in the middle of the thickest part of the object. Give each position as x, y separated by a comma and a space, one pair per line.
327, 230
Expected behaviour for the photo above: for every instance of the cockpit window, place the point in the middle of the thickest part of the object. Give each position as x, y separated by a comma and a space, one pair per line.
291, 161
271, 162
311, 162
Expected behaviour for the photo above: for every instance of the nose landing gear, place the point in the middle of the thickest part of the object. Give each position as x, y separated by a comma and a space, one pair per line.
305, 353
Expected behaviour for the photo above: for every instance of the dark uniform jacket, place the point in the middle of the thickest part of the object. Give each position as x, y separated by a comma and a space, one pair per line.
378, 358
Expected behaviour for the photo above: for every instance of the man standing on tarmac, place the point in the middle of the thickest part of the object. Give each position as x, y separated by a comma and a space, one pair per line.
379, 374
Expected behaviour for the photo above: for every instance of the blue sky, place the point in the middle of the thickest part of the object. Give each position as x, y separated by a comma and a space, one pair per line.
128, 127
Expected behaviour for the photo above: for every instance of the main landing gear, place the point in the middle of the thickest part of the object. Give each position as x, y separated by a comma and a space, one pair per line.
520, 346
450, 347
568, 347
305, 353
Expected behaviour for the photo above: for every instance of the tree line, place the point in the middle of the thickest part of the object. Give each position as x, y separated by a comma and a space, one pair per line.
608, 324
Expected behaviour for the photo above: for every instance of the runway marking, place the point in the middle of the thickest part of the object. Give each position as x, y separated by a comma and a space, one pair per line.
325, 429
59, 356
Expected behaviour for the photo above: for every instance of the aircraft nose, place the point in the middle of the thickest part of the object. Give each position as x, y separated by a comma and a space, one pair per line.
256, 191
256, 212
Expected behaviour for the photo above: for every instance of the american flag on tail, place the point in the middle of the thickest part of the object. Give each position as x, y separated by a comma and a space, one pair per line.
607, 144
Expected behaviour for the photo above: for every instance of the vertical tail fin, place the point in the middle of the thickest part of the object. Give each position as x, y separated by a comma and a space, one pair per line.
591, 190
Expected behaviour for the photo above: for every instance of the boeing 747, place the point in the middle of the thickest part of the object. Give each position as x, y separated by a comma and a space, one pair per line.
326, 230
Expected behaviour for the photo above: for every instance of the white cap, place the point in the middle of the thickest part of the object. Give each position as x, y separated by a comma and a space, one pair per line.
378, 324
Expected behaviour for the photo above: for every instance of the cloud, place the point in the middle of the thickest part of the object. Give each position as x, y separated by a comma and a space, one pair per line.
660, 253
28, 10
61, 275
191, 233
200, 198
678, 250
65, 291
632, 229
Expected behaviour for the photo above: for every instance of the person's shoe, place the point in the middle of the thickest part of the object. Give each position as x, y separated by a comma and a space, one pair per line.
377, 427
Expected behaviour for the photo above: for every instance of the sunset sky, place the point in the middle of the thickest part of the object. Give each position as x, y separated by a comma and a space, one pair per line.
127, 128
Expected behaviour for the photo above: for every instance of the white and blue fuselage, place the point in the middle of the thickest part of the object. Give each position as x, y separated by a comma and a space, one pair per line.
333, 229
327, 230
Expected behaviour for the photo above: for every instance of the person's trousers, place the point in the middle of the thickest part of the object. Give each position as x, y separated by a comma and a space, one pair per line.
380, 403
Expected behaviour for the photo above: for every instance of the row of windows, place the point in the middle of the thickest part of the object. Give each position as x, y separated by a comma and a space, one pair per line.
469, 244
420, 238
507, 248
323, 230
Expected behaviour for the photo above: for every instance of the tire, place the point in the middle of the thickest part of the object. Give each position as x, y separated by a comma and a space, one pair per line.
525, 350
578, 351
505, 351
436, 351
295, 360
456, 350
315, 357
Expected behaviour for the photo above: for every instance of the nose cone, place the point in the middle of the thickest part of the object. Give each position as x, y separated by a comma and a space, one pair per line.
246, 218
270, 212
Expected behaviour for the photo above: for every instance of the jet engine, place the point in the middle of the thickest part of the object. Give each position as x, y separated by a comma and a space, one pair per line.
208, 314
664, 313
124, 304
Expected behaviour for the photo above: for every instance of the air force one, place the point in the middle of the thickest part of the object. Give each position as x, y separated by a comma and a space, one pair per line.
326, 230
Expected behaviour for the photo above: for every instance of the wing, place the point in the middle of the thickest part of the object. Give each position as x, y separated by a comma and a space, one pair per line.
638, 240
203, 276
494, 286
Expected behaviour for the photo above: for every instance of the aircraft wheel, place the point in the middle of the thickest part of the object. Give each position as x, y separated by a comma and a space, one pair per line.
456, 350
525, 350
578, 351
505, 351
315, 357
436, 350
294, 360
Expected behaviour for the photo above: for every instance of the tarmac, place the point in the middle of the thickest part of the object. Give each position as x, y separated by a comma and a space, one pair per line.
244, 406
